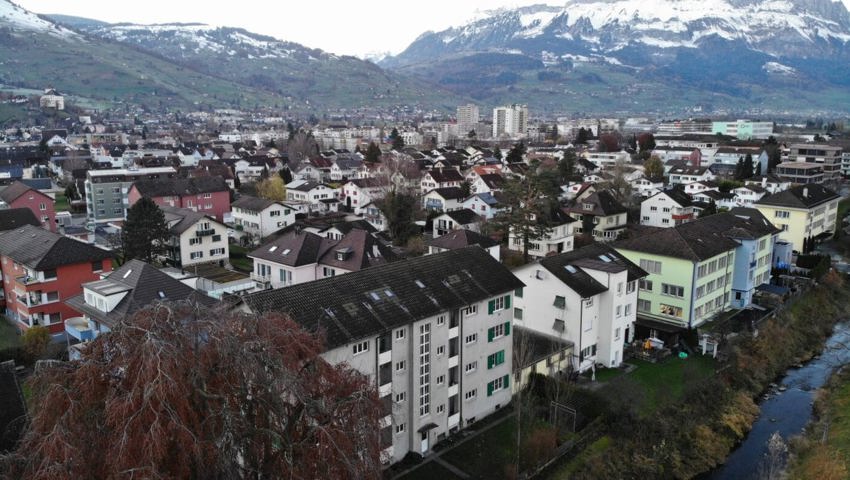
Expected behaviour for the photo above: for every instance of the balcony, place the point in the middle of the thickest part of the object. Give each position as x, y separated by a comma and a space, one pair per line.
261, 278
205, 233
78, 327
682, 216
27, 280
453, 390
454, 420
385, 357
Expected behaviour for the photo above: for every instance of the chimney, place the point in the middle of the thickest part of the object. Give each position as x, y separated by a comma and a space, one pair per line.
806, 192
764, 181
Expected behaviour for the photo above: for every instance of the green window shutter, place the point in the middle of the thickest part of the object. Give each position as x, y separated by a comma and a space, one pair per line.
507, 381
507, 328
491, 307
490, 334
490, 389
518, 292
490, 361
507, 301
500, 357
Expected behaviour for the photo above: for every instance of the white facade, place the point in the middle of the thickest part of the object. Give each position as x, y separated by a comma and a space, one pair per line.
467, 119
559, 240
204, 242
663, 211
510, 121
264, 222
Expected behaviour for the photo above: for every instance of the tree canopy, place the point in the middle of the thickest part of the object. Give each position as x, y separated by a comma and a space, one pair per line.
530, 202
517, 153
145, 231
653, 167
180, 392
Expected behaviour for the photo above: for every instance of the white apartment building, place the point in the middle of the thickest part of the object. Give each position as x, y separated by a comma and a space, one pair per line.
587, 297
439, 366
467, 119
259, 216
510, 121
667, 209
195, 238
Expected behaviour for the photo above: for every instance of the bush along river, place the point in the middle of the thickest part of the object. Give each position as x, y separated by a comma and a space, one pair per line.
787, 408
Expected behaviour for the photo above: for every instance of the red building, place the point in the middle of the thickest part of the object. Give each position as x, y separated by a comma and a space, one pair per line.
42, 269
207, 195
20, 195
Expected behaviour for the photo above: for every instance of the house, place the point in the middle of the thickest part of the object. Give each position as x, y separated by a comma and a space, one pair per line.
345, 167
106, 191
457, 239
207, 195
679, 175
558, 239
600, 215
315, 169
747, 195
21, 195
107, 301
51, 98
299, 256
605, 159
195, 238
456, 219
587, 297
443, 199
358, 193
770, 183
311, 194
804, 213
667, 209
537, 353
486, 183
260, 217
433, 333
694, 267
440, 178
486, 205
41, 269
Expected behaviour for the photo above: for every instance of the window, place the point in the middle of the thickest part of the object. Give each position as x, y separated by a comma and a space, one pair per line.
361, 347
672, 290
651, 266
495, 359
644, 305
441, 350
50, 274
196, 255
97, 266
216, 251
42, 206
630, 287
328, 272
399, 366
782, 214
400, 397
518, 292
470, 367
587, 352
619, 311
588, 302
399, 334
441, 408
517, 313
216, 238
470, 394
399, 428
424, 369
671, 310
498, 304
627, 309
498, 331
620, 288
471, 338
560, 302
195, 241
441, 320
645, 284
559, 325
500, 383
617, 333
469, 310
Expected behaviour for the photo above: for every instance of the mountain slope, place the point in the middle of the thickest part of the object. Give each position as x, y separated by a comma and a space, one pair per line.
721, 54
283, 68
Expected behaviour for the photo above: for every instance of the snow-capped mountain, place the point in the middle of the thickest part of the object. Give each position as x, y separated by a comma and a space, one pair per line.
16, 18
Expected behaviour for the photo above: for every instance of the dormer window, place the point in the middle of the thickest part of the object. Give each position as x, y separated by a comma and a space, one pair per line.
344, 254
588, 206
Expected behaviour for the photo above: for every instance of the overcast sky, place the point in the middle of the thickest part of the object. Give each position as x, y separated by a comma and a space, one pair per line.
338, 26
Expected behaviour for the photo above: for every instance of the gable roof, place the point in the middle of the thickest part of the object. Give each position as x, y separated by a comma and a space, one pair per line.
144, 285
462, 238
375, 300
254, 204
801, 196
597, 256
294, 249
603, 204
11, 218
678, 195
463, 216
360, 250
492, 180
167, 187
16, 190
42, 249
184, 218
449, 193
447, 175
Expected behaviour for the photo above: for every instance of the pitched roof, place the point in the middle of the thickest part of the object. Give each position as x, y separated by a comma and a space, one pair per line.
703, 238
445, 175
11, 218
16, 190
463, 216
493, 180
144, 285
254, 204
369, 302
449, 193
570, 268
678, 195
602, 202
167, 187
359, 250
42, 249
462, 238
294, 249
181, 219
801, 196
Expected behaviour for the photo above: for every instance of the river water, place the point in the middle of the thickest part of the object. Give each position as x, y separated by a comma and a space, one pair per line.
786, 412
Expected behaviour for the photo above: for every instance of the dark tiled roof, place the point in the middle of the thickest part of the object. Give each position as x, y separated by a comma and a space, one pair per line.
294, 249
361, 250
703, 238
679, 196
597, 256
463, 216
11, 218
41, 249
370, 182
254, 204
305, 187
461, 239
447, 175
375, 300
603, 203
493, 180
168, 187
801, 196
13, 410
144, 285
449, 193
539, 346
15, 190
184, 218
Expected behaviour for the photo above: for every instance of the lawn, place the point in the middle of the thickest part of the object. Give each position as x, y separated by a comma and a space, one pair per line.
568, 469
239, 259
665, 382
429, 471
486, 455
61, 203
8, 335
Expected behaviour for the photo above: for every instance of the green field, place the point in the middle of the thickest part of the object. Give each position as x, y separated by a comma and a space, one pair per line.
61, 203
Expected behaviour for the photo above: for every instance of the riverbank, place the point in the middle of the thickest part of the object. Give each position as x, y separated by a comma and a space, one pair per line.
823, 452
695, 434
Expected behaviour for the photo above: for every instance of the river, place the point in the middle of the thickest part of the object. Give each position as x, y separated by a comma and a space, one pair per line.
786, 412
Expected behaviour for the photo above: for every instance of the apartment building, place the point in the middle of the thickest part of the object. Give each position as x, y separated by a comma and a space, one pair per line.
800, 173
106, 191
667, 209
195, 238
829, 156
21, 195
801, 212
261, 217
433, 333
587, 297
510, 121
207, 195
